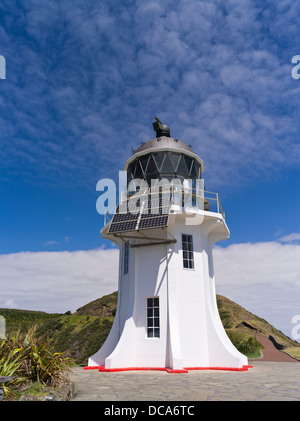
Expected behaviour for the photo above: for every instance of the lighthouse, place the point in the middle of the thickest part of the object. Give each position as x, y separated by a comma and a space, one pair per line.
165, 225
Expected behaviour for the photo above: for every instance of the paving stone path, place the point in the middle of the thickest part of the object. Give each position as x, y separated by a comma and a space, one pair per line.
266, 381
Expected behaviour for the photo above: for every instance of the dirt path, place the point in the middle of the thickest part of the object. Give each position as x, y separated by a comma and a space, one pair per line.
270, 353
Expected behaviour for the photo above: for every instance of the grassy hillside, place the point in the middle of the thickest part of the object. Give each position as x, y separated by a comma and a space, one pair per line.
80, 335
236, 318
102, 307
83, 332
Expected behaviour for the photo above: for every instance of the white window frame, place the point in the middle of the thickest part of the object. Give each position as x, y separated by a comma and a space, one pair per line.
152, 317
187, 251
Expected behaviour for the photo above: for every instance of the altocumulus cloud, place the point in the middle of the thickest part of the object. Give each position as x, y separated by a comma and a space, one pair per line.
218, 73
262, 277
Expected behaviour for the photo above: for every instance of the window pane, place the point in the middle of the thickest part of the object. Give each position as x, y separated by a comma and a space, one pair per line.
188, 162
167, 165
158, 157
187, 251
149, 302
194, 171
181, 169
151, 166
153, 317
138, 172
144, 161
132, 169
174, 159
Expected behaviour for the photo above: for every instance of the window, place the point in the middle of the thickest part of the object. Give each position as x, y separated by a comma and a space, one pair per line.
153, 317
187, 251
126, 258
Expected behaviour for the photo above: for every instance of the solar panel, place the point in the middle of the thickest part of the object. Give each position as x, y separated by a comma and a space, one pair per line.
141, 214
154, 222
121, 217
122, 226
123, 220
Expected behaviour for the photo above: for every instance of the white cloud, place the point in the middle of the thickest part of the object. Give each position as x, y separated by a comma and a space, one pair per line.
263, 277
290, 238
10, 304
50, 243
57, 281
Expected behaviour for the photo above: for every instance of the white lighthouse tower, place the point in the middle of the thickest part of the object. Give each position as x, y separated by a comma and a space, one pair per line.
165, 225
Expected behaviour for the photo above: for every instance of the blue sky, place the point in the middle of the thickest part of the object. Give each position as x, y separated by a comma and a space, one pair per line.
83, 82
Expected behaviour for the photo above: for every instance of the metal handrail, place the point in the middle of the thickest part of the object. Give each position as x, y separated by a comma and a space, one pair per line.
203, 199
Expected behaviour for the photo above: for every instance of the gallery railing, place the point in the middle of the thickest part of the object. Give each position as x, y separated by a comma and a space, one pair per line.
183, 198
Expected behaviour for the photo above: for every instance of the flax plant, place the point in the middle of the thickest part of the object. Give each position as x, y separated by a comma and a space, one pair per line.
10, 362
31, 358
41, 361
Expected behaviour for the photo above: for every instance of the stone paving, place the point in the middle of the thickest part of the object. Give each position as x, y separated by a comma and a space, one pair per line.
266, 381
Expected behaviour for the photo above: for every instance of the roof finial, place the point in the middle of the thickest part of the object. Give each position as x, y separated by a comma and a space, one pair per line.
160, 128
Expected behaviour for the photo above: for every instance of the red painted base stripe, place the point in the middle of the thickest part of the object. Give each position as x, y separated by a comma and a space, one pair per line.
169, 370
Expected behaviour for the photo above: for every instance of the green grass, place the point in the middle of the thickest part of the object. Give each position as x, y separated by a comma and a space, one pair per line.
293, 351
253, 355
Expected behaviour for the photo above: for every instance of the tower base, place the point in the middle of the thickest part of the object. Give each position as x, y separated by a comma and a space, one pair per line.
168, 370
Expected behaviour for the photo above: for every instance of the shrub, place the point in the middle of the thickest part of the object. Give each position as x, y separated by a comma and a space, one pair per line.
244, 343
33, 359
10, 362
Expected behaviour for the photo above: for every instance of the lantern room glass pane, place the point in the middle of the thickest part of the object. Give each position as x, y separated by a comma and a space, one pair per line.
151, 166
167, 166
182, 170
138, 172
158, 157
174, 159
197, 169
163, 165
188, 162
193, 172
144, 161
132, 169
